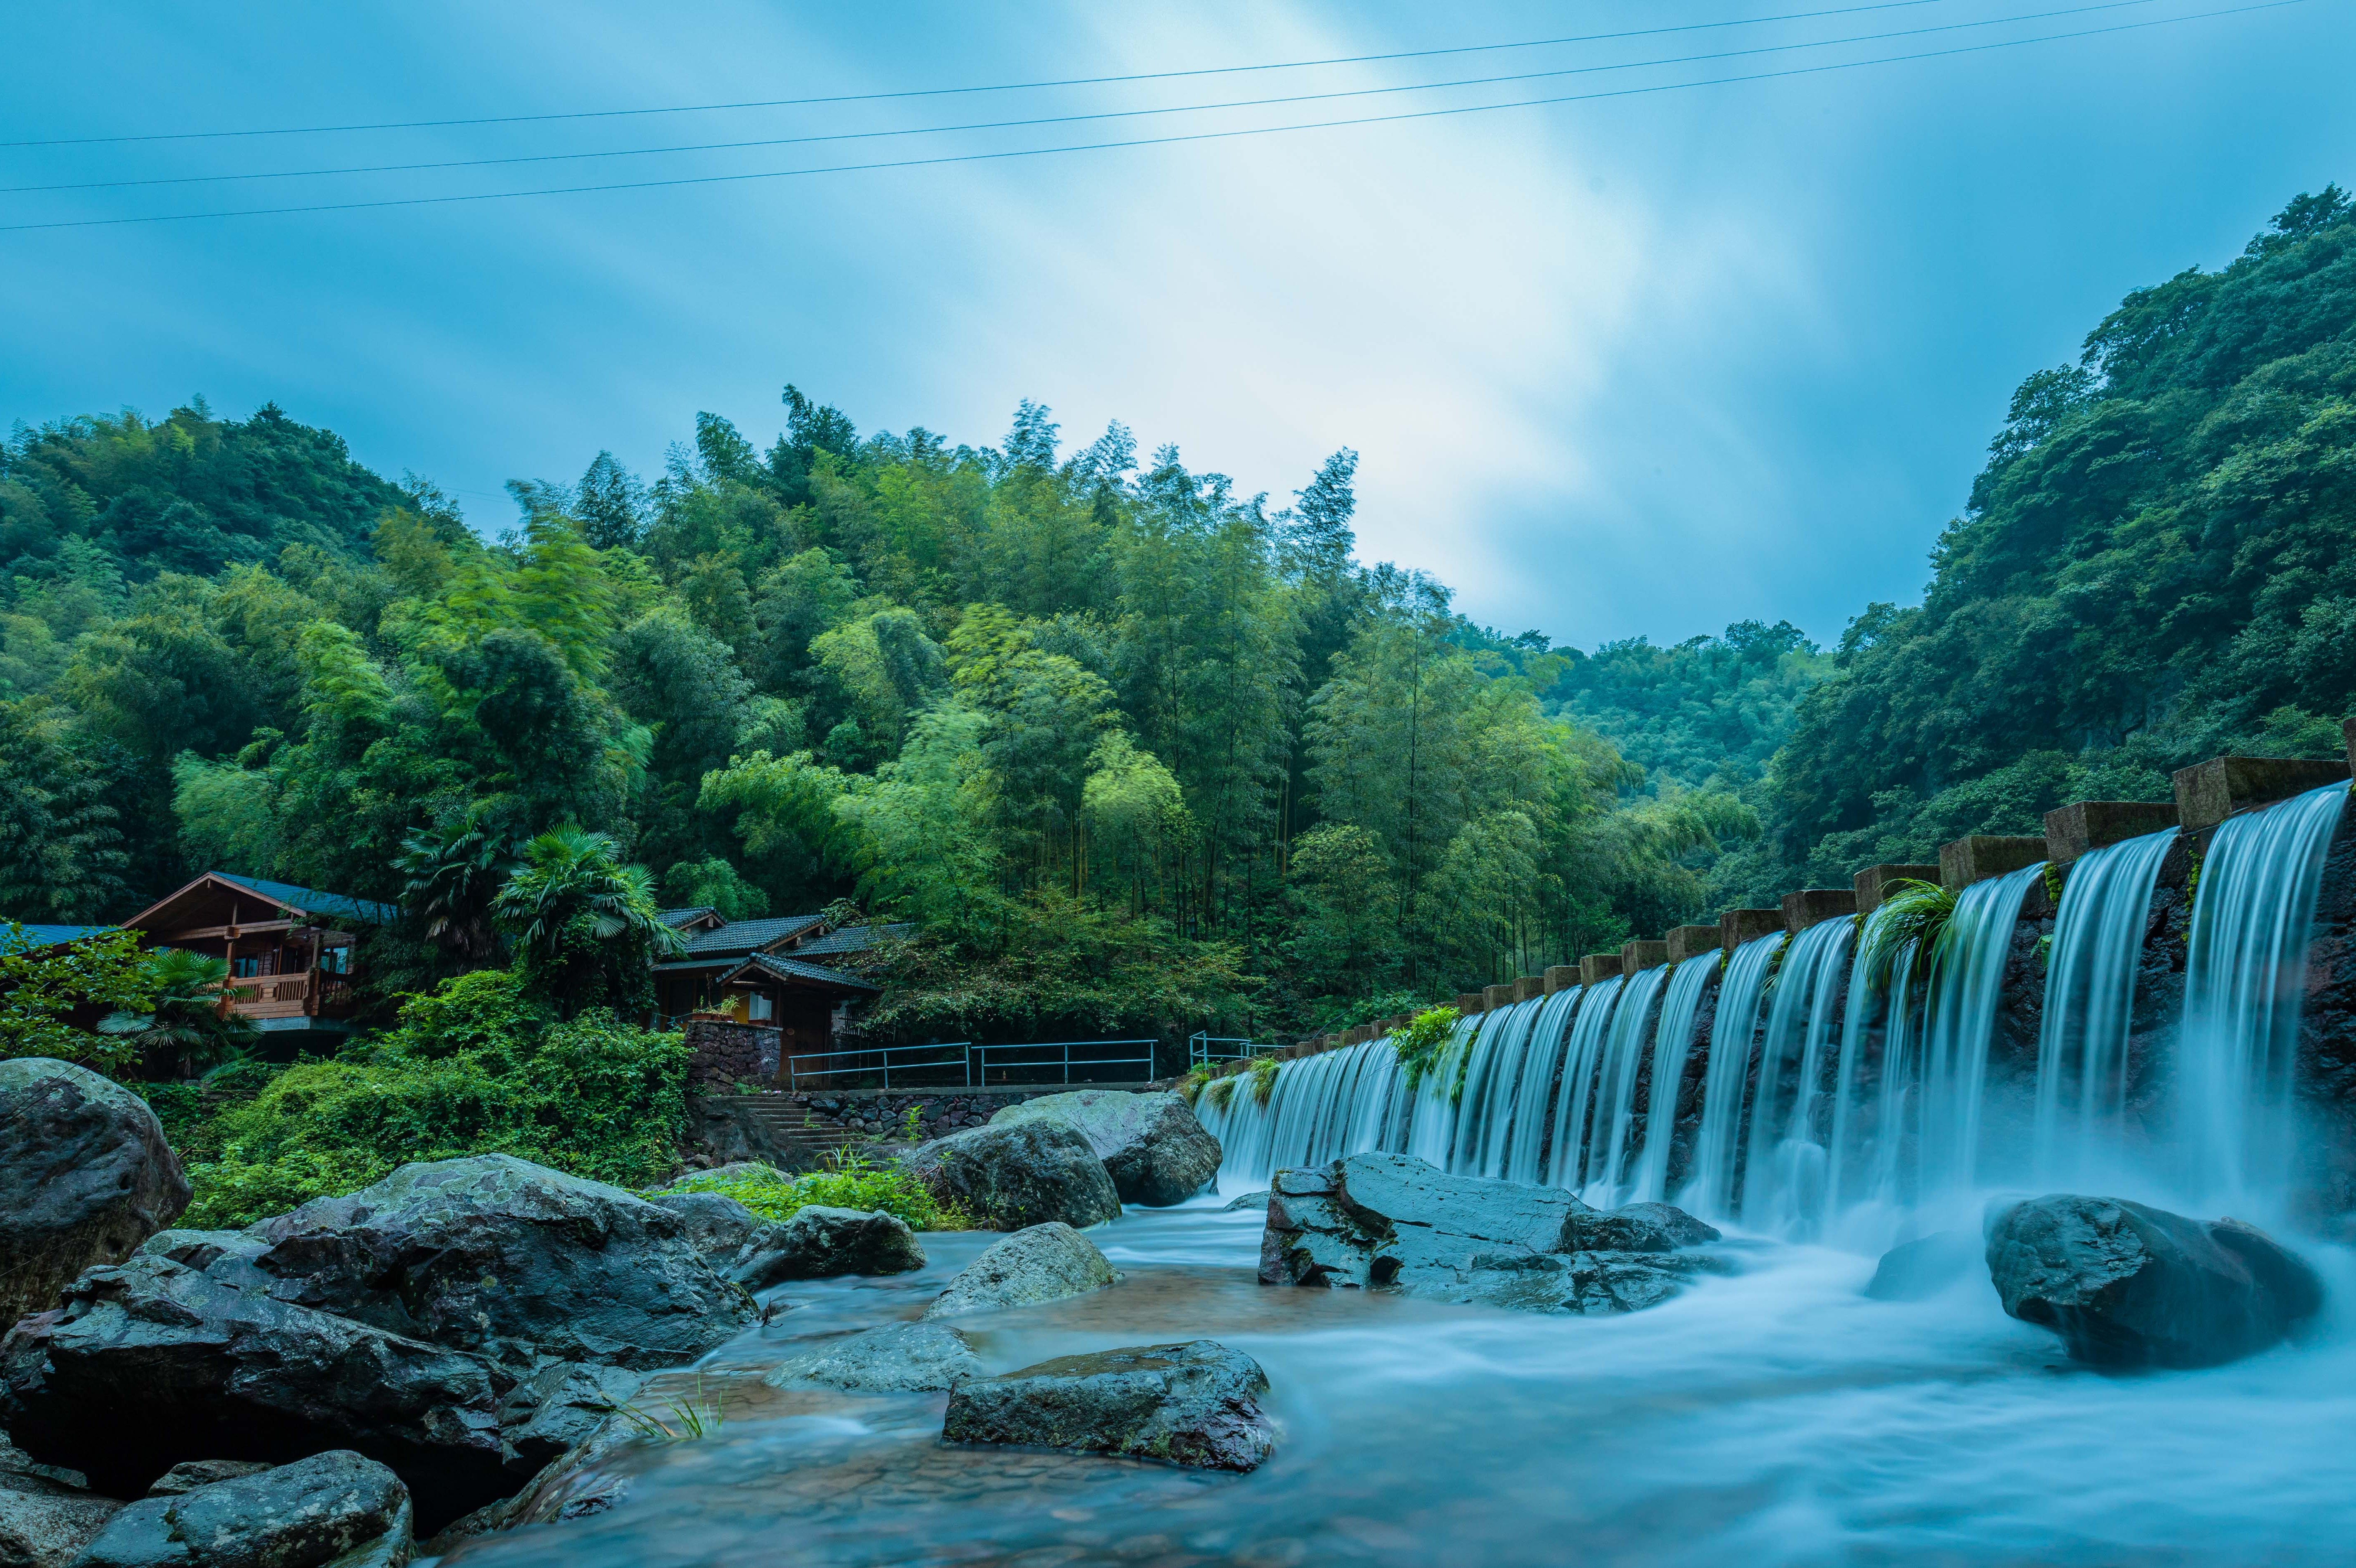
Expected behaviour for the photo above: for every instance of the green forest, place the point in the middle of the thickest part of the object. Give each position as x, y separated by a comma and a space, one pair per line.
1135, 751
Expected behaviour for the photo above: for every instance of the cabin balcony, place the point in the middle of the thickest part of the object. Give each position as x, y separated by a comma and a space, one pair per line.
299, 996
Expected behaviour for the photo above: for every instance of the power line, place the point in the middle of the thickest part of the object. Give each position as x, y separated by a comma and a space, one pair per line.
1153, 141
1073, 118
950, 92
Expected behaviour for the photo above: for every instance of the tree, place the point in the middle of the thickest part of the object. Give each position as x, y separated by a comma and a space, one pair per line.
187, 1024
455, 871
42, 984
584, 926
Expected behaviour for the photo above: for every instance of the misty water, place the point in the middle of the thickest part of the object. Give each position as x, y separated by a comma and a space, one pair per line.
1778, 1416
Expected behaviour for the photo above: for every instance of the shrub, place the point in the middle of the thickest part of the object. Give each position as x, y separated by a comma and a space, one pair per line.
849, 1182
1263, 1077
1420, 1044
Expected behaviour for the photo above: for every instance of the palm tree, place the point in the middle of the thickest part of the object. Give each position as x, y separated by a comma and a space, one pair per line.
455, 871
189, 1022
584, 924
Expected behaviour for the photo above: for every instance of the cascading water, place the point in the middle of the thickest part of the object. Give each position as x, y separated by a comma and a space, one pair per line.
1431, 1121
1582, 1059
1710, 1188
1485, 1113
2251, 917
1960, 1017
1526, 1156
1338, 1102
1673, 1039
1851, 1125
2081, 1047
1784, 1166
1605, 1167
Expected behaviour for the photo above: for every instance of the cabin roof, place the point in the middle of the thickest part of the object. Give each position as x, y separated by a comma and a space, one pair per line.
853, 939
799, 972
745, 935
215, 890
35, 937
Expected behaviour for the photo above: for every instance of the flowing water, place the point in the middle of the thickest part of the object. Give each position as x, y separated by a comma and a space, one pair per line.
1778, 1417
1785, 1163
1583, 1062
1527, 1157
1710, 1188
1673, 1041
1966, 985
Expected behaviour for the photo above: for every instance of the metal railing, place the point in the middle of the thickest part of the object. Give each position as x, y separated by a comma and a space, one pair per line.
1203, 1049
954, 1056
989, 1059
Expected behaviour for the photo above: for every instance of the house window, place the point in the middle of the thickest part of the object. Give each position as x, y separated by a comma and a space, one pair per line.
246, 966
335, 960
761, 1010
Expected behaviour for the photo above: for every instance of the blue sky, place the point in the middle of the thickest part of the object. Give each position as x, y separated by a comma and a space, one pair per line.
1633, 365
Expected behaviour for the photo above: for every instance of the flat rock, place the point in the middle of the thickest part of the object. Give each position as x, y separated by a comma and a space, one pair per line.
899, 1358
1196, 1404
197, 1473
333, 1509
2129, 1285
820, 1242
509, 1260
46, 1523
85, 1177
1018, 1174
1392, 1222
1249, 1201
1151, 1146
1044, 1263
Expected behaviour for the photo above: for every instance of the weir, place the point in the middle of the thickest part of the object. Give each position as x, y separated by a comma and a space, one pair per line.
1861, 1069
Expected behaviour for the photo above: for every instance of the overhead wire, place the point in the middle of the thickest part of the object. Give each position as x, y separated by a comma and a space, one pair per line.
950, 92
946, 159
1076, 118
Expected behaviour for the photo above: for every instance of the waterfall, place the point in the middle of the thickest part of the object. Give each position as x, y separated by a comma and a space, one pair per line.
1711, 1188
1489, 1085
2253, 912
1863, 1009
1582, 1060
1431, 1122
2081, 1049
1966, 986
1541, 1060
1785, 1164
1605, 1167
1673, 1039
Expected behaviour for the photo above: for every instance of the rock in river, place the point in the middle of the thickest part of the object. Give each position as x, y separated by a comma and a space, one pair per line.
1018, 1174
2127, 1285
1151, 1146
820, 1242
332, 1511
85, 1176
1045, 1263
899, 1358
1390, 1222
1196, 1404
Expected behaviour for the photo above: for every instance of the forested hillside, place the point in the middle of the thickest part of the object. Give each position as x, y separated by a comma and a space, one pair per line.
1135, 749
2154, 568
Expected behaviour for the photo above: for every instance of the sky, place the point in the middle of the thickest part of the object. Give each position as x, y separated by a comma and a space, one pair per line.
1685, 351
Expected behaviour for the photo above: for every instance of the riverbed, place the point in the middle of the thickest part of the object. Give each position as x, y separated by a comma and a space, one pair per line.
1774, 1417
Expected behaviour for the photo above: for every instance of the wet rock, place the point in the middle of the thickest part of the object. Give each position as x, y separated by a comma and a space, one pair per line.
85, 1177
333, 1509
1392, 1222
820, 1242
559, 1408
1196, 1404
1249, 1201
2126, 1285
510, 1260
1921, 1269
899, 1358
1044, 1263
197, 1473
44, 1519
717, 1226
1018, 1174
1151, 1146
158, 1361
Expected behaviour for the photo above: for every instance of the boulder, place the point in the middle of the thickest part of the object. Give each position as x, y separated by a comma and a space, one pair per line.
899, 1358
2128, 1285
1196, 1404
46, 1518
197, 1473
182, 1353
1249, 1201
509, 1260
333, 1509
1921, 1269
1151, 1146
1393, 1223
820, 1242
557, 1408
1018, 1174
717, 1226
85, 1176
1045, 1263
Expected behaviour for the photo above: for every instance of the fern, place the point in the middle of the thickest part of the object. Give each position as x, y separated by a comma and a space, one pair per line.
1263, 1077
1913, 916
1420, 1044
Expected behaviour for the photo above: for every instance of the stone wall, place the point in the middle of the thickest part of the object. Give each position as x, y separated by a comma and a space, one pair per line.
722, 1056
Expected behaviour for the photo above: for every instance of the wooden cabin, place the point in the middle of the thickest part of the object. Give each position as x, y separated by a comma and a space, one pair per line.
762, 972
290, 950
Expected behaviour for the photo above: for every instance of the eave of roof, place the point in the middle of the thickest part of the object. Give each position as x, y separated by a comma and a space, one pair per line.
785, 968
